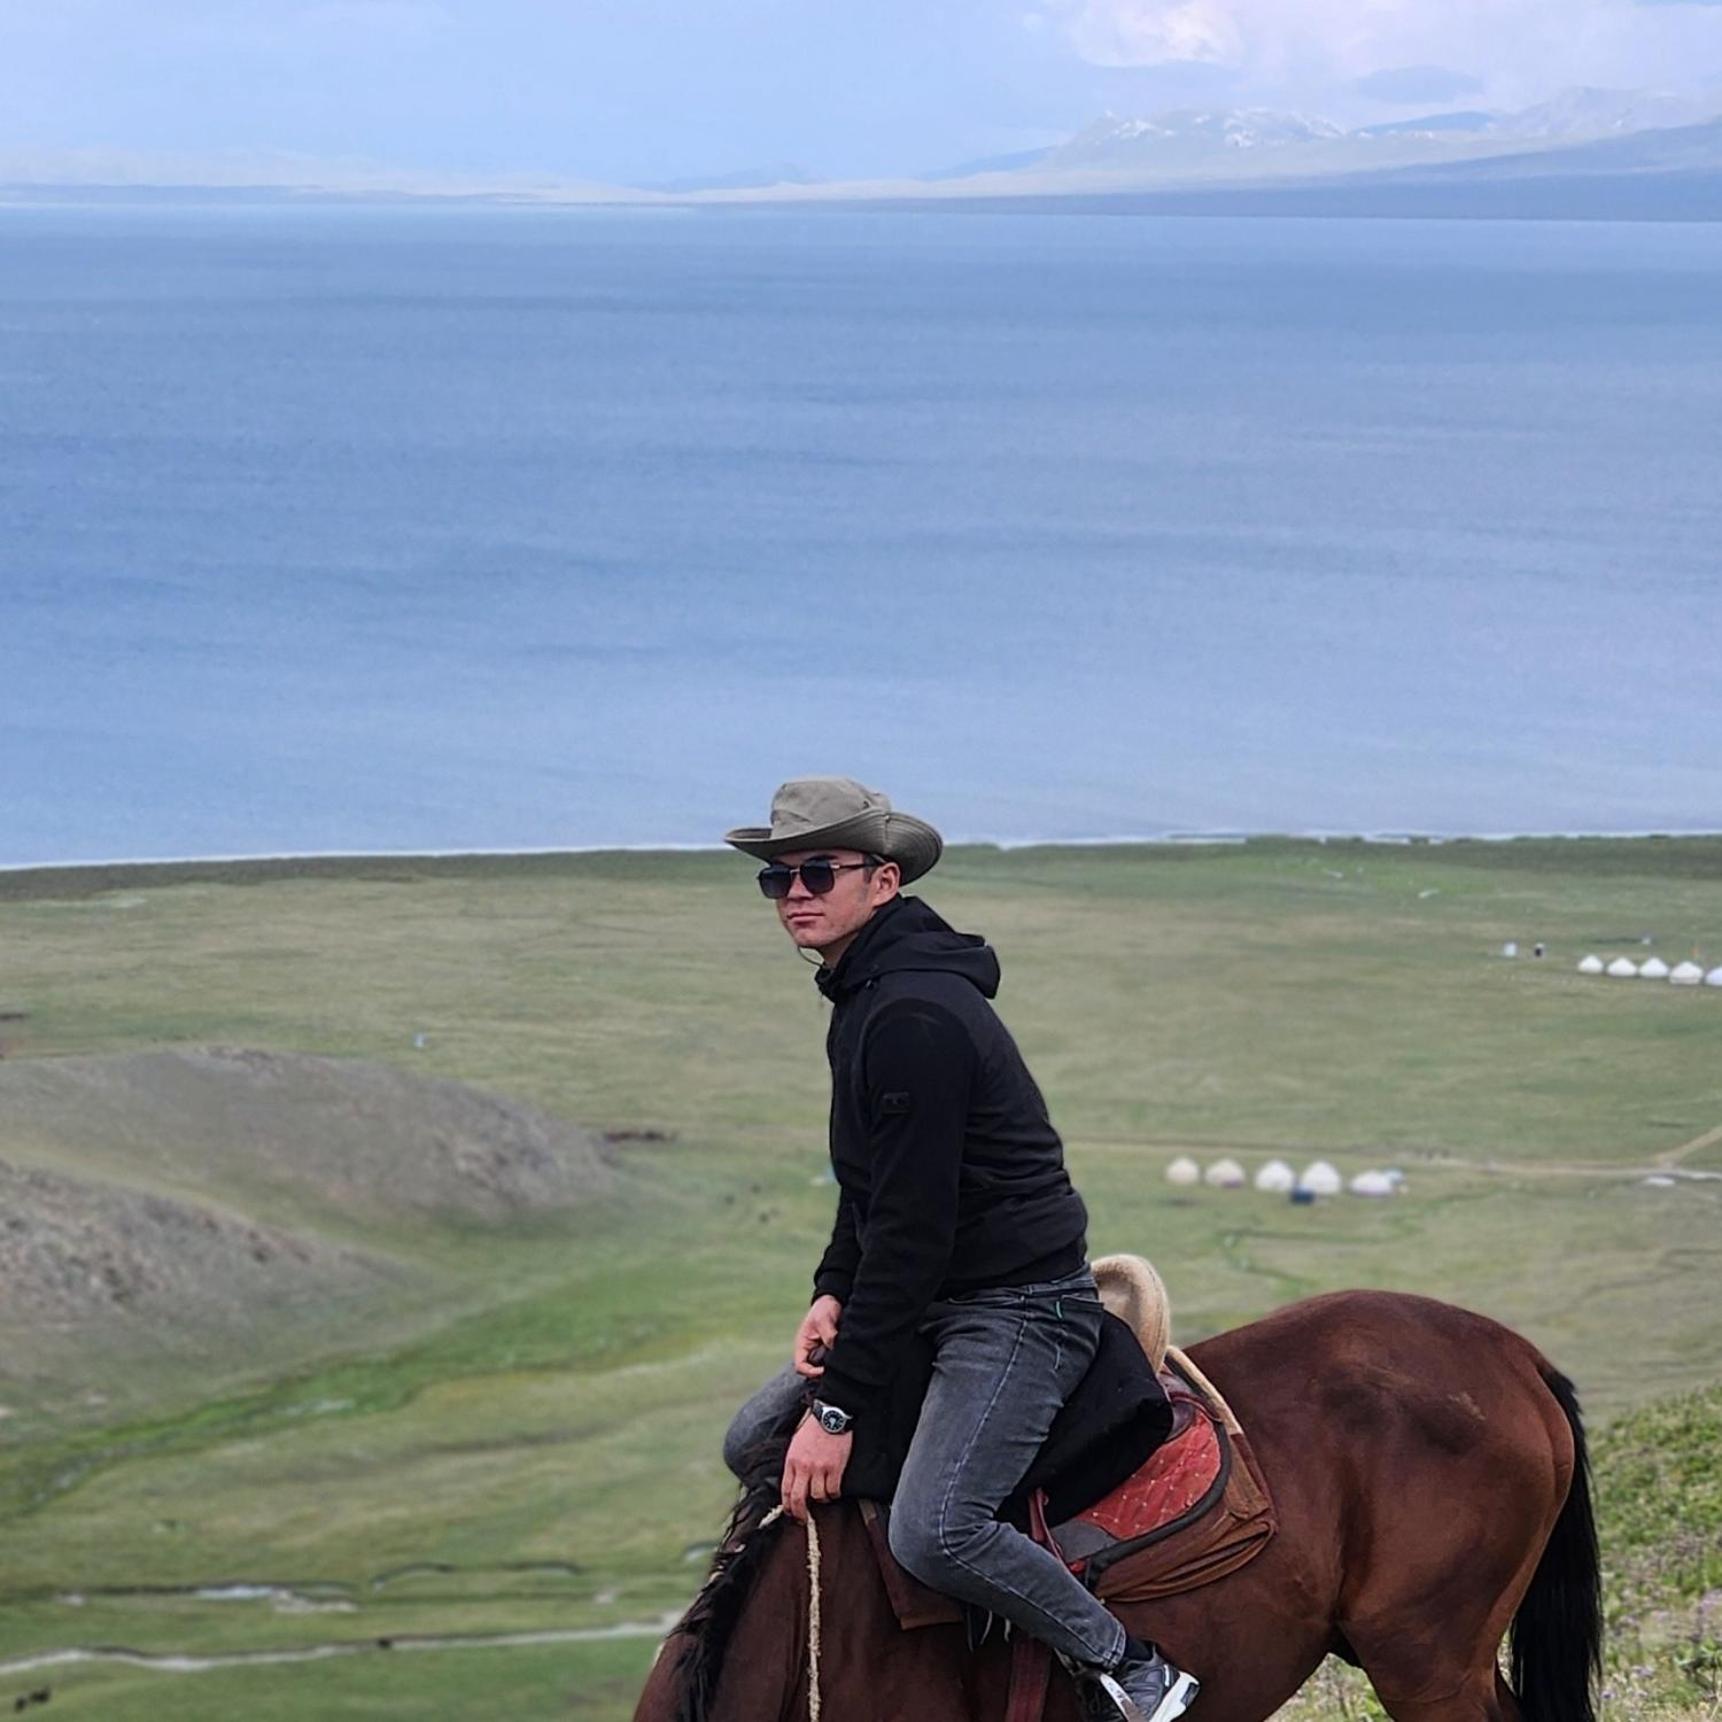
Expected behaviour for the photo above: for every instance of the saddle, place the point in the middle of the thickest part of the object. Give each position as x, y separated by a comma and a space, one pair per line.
1117, 1415
1196, 1509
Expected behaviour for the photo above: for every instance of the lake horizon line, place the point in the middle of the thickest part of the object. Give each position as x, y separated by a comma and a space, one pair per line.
1161, 840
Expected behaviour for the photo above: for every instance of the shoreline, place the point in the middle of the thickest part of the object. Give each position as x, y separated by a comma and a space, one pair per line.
1162, 840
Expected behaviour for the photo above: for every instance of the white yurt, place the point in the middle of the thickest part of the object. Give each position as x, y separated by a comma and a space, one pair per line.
1276, 1176
1183, 1170
1591, 966
1687, 974
1373, 1184
1225, 1175
1321, 1179
1714, 978
1622, 967
1655, 969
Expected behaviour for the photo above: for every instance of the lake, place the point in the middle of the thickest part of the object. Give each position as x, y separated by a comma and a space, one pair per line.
342, 528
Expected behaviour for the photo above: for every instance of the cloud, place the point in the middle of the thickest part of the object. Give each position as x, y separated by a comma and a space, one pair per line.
1416, 84
1523, 49
1353, 37
1147, 32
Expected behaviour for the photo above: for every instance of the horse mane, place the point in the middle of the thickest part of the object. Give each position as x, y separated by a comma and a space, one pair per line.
711, 1620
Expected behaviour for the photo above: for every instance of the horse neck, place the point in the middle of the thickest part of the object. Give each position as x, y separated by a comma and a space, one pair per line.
758, 1663
870, 1670
765, 1667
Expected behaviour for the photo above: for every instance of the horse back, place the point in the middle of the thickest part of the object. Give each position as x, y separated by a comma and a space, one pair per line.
1417, 1455
1385, 1384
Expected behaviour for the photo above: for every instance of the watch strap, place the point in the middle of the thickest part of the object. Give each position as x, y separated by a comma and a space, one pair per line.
833, 1419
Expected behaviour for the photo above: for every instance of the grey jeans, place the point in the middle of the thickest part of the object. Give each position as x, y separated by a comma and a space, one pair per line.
1005, 1361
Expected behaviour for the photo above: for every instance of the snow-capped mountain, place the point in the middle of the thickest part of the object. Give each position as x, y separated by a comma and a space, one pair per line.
1185, 134
1244, 141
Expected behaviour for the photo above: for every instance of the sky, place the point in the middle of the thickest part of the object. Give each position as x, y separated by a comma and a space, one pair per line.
638, 91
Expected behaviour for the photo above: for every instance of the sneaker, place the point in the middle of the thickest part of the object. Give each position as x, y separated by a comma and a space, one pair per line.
1140, 1689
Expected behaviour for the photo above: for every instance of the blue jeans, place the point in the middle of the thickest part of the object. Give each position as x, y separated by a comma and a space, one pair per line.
1005, 1361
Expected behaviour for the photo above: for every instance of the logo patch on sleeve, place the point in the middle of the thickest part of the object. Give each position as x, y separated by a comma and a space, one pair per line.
896, 1102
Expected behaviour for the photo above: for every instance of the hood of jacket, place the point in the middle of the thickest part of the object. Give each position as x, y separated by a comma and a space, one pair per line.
906, 934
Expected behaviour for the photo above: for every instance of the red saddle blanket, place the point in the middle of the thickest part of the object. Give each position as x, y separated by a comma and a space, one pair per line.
1176, 1478
1195, 1510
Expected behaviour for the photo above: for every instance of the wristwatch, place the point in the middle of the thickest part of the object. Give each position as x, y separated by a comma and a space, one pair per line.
830, 1418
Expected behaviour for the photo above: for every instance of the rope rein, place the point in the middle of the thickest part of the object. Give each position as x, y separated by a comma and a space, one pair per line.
771, 1518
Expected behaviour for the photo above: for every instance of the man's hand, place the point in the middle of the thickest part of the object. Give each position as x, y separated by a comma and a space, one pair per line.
813, 1467
818, 1327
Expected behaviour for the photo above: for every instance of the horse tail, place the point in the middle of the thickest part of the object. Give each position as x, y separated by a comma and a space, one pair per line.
1557, 1633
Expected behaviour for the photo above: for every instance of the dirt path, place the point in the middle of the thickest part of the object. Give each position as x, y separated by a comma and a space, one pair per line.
1674, 1156
171, 1663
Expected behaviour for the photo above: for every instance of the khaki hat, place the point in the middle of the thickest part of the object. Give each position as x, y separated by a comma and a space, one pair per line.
839, 813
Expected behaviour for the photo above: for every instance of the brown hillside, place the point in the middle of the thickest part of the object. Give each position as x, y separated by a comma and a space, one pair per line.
73, 1253
295, 1133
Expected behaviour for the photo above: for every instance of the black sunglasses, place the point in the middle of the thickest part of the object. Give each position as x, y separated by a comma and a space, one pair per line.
818, 875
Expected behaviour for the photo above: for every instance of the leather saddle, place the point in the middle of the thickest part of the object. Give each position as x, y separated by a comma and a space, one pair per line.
1193, 1510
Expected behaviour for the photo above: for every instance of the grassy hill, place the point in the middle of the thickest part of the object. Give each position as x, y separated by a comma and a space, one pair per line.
164, 1210
314, 1140
520, 1436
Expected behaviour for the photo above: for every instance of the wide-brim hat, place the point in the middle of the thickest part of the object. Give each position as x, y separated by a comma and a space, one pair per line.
839, 813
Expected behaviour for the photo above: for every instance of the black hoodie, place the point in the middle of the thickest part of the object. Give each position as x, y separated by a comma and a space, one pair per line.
950, 1175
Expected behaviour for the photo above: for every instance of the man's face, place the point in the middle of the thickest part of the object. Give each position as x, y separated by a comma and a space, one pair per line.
818, 923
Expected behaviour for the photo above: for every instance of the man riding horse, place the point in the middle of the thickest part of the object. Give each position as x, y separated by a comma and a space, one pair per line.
956, 1220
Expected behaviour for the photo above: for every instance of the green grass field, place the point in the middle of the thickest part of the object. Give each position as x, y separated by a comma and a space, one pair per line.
527, 1443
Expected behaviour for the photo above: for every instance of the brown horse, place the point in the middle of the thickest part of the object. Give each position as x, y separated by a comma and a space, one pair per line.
1428, 1467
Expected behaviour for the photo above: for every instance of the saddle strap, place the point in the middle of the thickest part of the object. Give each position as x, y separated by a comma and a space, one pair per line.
1030, 1657
1180, 1361
1041, 1532
1030, 1674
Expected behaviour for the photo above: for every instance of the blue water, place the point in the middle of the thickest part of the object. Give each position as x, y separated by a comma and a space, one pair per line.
356, 529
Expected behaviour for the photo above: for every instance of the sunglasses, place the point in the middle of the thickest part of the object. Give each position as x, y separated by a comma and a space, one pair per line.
819, 876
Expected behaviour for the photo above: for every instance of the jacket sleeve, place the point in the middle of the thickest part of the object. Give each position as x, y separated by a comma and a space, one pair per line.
918, 1069
835, 1275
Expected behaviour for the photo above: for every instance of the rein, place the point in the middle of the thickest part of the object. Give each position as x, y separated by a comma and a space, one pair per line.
813, 1701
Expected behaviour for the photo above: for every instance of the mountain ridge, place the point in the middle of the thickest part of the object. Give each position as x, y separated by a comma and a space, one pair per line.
1173, 141
1190, 159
